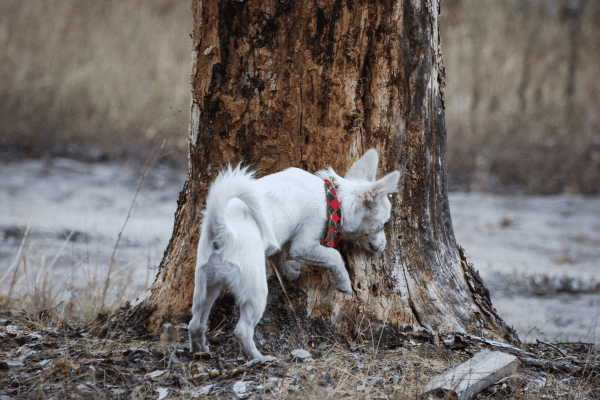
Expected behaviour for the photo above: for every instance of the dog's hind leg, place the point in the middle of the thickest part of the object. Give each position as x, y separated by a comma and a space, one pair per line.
251, 311
204, 298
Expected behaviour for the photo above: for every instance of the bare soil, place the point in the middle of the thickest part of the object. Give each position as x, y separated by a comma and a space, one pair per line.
40, 360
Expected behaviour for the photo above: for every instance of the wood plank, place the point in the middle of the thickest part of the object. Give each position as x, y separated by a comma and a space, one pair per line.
474, 375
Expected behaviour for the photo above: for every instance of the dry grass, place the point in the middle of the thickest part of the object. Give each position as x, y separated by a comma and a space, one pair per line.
48, 289
510, 111
107, 73
103, 73
45, 351
66, 293
39, 361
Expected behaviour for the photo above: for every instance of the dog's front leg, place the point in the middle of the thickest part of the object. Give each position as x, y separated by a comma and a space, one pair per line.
290, 269
326, 257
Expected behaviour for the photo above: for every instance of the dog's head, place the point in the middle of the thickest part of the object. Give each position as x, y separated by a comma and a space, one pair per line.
364, 201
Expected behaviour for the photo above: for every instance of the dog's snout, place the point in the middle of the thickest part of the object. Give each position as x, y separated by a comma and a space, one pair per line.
375, 246
377, 243
379, 248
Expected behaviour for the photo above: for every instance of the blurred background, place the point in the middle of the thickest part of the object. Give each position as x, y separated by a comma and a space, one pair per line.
90, 89
523, 95
94, 79
107, 78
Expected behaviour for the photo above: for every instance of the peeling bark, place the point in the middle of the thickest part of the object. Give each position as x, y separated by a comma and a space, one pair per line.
316, 83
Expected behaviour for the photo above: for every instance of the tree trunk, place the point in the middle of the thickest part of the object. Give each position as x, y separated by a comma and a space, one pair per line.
312, 84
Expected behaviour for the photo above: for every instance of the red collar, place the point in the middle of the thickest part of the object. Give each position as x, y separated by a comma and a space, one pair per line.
334, 214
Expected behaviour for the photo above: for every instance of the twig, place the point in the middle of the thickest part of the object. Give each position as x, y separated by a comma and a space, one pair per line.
15, 264
112, 257
554, 347
283, 379
359, 379
67, 280
564, 366
41, 278
291, 305
171, 358
56, 306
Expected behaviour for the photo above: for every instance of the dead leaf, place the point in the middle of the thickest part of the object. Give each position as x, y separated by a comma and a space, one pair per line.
75, 367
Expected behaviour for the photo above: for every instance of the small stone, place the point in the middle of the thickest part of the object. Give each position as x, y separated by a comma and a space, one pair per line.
34, 336
12, 329
155, 374
213, 373
240, 388
205, 389
325, 378
162, 393
301, 354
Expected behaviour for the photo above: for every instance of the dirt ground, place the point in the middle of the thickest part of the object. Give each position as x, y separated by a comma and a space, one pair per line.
41, 361
538, 255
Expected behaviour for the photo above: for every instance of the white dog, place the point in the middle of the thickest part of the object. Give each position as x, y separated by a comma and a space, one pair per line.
247, 219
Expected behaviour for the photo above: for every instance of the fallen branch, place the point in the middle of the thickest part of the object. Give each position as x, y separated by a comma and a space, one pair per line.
571, 365
553, 346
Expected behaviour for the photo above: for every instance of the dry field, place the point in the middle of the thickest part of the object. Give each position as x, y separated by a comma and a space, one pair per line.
43, 358
100, 80
110, 75
56, 273
522, 95
523, 98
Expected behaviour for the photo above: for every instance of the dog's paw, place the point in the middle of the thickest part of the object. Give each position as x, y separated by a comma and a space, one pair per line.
291, 270
265, 359
262, 359
196, 347
345, 286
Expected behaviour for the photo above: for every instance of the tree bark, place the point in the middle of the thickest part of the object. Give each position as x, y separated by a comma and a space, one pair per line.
312, 84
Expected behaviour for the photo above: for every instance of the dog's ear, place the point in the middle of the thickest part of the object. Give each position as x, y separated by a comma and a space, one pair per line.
388, 184
365, 168
335, 178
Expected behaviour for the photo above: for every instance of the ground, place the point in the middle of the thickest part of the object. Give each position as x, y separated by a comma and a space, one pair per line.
39, 360
538, 255
89, 221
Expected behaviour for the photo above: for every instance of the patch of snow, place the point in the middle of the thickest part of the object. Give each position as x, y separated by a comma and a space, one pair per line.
301, 354
240, 388
35, 336
162, 393
155, 374
204, 390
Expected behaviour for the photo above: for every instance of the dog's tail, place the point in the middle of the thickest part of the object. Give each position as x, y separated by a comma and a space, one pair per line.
230, 184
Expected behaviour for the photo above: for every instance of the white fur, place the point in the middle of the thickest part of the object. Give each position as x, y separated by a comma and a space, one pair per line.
246, 219
233, 240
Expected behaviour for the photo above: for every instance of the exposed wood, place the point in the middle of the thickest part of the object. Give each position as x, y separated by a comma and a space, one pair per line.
472, 376
311, 84
474, 344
